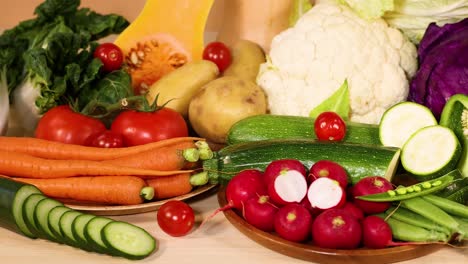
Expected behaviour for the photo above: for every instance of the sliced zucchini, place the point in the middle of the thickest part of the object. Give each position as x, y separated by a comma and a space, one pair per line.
93, 235
431, 152
78, 229
29, 208
400, 121
127, 240
65, 223
54, 221
41, 217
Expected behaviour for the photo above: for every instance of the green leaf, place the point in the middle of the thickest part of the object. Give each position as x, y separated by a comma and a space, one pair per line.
371, 9
338, 102
299, 8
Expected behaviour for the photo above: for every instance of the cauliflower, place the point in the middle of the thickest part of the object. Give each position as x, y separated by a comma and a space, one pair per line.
329, 44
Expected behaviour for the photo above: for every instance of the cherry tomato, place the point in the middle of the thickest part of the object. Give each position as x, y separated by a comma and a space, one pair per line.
106, 139
62, 124
110, 55
139, 128
330, 126
176, 218
218, 53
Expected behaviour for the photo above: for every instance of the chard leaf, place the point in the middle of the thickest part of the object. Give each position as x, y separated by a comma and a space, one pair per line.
338, 102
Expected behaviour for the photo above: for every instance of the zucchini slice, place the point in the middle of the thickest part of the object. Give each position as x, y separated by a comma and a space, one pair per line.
431, 152
41, 217
400, 121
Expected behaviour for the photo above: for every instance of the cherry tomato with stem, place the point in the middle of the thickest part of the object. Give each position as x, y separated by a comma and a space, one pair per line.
329, 126
218, 53
176, 218
106, 139
110, 55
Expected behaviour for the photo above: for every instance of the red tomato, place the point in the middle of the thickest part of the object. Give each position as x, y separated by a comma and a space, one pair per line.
62, 124
110, 55
176, 218
218, 53
139, 128
330, 126
106, 139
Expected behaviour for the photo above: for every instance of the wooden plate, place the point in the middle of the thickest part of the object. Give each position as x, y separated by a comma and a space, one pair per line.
134, 209
316, 254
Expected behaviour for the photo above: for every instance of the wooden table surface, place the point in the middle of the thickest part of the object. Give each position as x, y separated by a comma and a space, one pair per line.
216, 242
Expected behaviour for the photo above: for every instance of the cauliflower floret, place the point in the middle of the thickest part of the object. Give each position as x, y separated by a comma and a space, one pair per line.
330, 43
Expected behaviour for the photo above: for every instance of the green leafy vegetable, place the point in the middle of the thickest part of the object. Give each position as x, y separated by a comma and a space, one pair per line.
370, 9
299, 8
338, 102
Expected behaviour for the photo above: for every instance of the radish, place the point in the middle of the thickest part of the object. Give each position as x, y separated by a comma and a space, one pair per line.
277, 167
292, 222
306, 204
329, 169
290, 186
354, 210
259, 212
336, 229
325, 193
371, 185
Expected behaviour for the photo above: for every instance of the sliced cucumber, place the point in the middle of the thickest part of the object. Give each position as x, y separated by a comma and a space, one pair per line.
93, 235
41, 217
400, 121
29, 208
127, 240
431, 152
66, 221
78, 229
54, 221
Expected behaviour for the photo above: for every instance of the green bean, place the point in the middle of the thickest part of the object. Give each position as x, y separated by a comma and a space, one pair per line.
407, 232
430, 211
412, 218
447, 205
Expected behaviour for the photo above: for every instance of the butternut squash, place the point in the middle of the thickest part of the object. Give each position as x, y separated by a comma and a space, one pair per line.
164, 36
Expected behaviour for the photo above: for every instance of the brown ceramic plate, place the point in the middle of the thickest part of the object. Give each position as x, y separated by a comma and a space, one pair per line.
134, 209
316, 254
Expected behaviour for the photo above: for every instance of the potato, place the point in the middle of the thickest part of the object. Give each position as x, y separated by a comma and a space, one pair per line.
180, 85
246, 59
223, 102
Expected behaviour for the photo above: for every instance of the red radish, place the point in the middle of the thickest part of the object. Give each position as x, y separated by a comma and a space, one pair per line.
329, 169
289, 187
277, 167
325, 193
313, 211
259, 212
292, 222
371, 185
336, 229
354, 210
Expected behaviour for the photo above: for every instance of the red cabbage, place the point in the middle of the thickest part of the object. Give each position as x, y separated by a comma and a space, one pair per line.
443, 66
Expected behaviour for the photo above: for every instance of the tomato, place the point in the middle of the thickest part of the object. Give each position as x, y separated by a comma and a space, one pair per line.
176, 218
106, 139
330, 126
62, 124
139, 128
110, 55
218, 53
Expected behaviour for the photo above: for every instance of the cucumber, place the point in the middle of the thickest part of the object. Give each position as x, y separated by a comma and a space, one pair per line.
93, 235
78, 229
127, 240
431, 152
402, 120
265, 127
12, 198
29, 207
357, 159
54, 221
41, 217
66, 221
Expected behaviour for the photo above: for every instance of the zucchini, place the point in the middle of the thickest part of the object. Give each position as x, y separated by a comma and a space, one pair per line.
28, 211
12, 198
402, 120
453, 187
460, 196
431, 152
265, 127
357, 159
41, 217
54, 221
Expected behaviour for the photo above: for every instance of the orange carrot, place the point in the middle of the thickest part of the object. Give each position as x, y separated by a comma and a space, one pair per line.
121, 190
170, 186
57, 150
27, 166
165, 158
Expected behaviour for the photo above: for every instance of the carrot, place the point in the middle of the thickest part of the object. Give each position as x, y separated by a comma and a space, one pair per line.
170, 186
165, 158
57, 150
27, 166
121, 190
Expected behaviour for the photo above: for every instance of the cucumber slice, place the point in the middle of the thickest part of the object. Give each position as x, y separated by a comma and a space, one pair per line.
54, 221
65, 223
92, 233
29, 208
41, 214
127, 240
431, 152
400, 121
78, 229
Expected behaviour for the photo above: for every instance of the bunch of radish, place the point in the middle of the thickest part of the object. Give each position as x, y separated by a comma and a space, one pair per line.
312, 205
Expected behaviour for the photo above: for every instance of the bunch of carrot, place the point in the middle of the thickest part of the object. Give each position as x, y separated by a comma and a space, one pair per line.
102, 175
